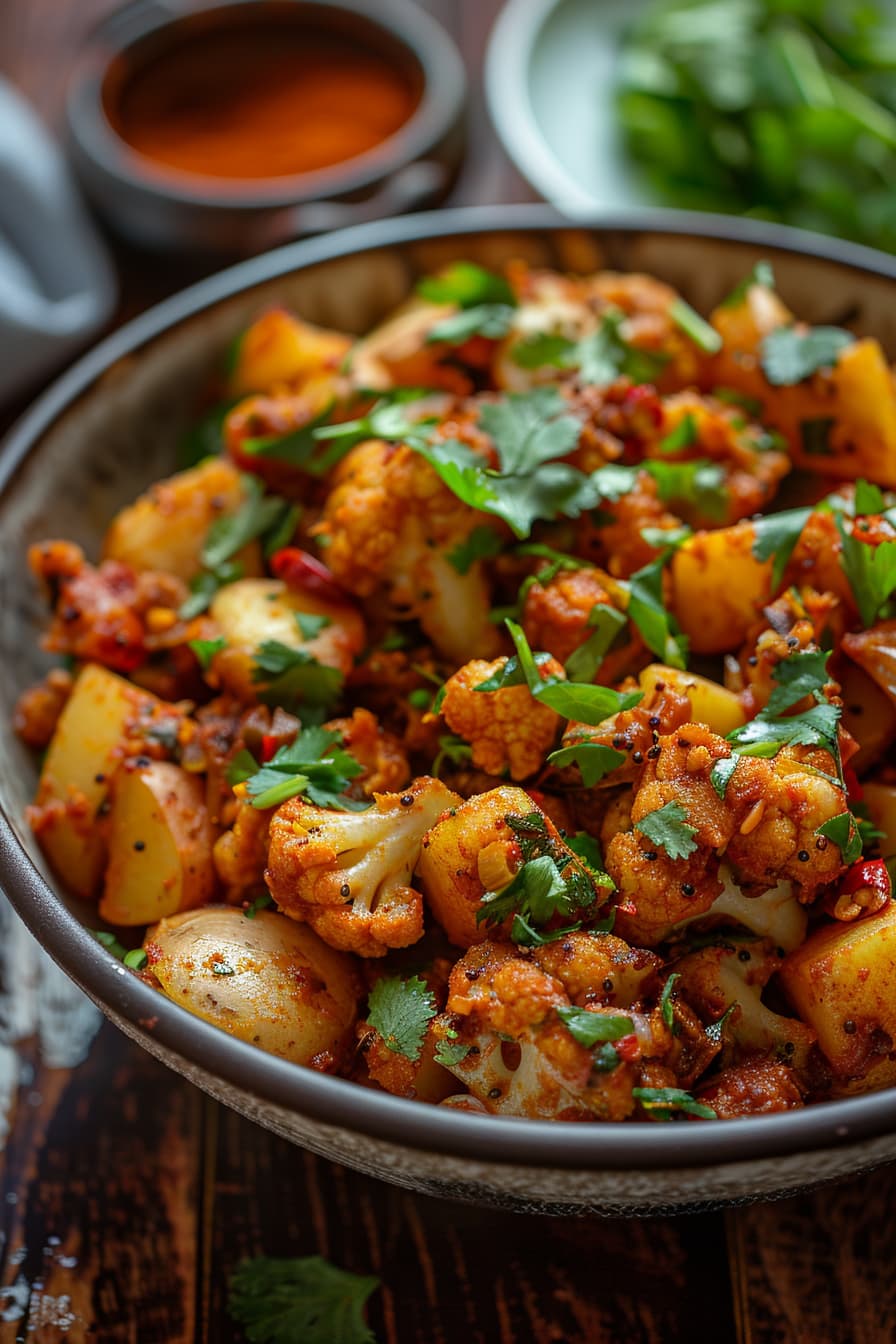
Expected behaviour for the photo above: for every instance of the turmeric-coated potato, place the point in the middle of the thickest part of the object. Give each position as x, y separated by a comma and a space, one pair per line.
166, 528
719, 587
74, 782
712, 704
279, 348
252, 612
842, 982
267, 980
160, 844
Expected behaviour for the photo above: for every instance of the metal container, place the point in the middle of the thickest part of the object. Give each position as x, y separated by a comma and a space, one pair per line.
412, 168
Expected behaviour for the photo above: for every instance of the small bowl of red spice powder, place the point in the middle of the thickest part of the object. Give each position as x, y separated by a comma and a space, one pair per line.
238, 124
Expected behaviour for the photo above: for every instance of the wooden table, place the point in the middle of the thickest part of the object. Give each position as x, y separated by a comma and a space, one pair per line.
129, 1196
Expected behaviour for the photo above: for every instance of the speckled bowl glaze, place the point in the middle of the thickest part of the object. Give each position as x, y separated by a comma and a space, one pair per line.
109, 427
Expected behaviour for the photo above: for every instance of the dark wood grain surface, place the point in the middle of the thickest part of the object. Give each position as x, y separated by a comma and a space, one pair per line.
128, 1197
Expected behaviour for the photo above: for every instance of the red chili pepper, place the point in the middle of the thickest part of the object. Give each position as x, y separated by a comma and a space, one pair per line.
269, 745
854, 791
628, 1048
867, 873
298, 569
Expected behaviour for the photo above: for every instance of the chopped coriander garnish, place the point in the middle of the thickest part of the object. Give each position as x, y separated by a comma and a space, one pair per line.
704, 336
594, 760
450, 1053
869, 499
761, 274
647, 611
294, 676
606, 625
721, 773
420, 699
205, 649
467, 285
222, 968
590, 1028
136, 959
600, 357
315, 766
665, 1002
803, 673
580, 701
205, 585
765, 735
110, 943
789, 355
661, 1101
452, 749
552, 880
668, 828
844, 832
776, 535
257, 516
682, 436
310, 625
700, 483
263, 902
482, 543
400, 1012
871, 571
307, 1300
491, 320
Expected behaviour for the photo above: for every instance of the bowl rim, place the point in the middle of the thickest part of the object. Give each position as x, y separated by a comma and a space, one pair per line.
443, 91
336, 1101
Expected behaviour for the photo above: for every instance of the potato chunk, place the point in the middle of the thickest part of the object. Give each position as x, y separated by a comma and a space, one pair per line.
160, 844
718, 587
279, 348
74, 782
166, 528
266, 980
712, 704
842, 982
253, 611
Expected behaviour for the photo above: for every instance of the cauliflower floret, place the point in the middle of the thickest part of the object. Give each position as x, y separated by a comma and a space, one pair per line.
556, 617
634, 732
522, 1059
766, 826
479, 847
775, 914
386, 768
716, 979
389, 524
506, 728
348, 874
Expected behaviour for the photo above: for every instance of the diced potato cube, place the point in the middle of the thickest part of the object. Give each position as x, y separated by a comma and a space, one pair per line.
279, 348
160, 844
719, 587
712, 704
880, 799
842, 982
74, 781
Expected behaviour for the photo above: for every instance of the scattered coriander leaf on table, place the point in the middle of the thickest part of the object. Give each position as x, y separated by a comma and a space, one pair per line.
302, 1301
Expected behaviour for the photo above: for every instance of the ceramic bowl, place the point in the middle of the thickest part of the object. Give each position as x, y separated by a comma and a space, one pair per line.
109, 427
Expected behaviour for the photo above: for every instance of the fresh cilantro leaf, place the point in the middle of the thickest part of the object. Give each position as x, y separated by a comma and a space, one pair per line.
205, 649
511, 674
761, 274
395, 640
721, 773
257, 515
136, 959
668, 828
700, 483
614, 480
551, 880
241, 767
587, 848
606, 1059
299, 448
467, 285
492, 320
803, 673
452, 749
450, 1053
845, 834
284, 1301
606, 623
204, 586
400, 1011
665, 1003
420, 699
574, 700
530, 428
314, 765
544, 348
663, 1100
593, 759
682, 436
762, 736
482, 543
752, 405
310, 625
523, 934
869, 498
776, 535
871, 571
110, 943
704, 336
647, 611
205, 438
294, 676
387, 419
815, 436
262, 902
590, 1028
667, 539
788, 355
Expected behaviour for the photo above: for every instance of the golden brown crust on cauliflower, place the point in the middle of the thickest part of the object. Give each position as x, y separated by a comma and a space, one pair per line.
506, 729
